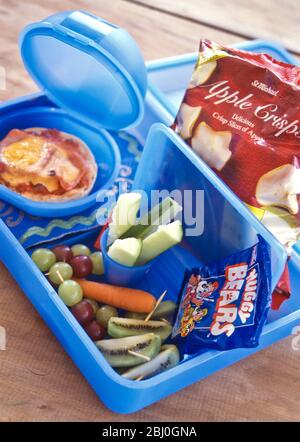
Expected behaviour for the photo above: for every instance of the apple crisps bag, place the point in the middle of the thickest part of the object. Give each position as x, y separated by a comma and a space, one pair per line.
240, 114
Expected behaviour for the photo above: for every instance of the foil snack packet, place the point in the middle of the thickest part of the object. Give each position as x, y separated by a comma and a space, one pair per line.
241, 115
224, 305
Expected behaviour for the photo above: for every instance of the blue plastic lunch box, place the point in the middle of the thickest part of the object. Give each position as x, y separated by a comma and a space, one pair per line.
167, 163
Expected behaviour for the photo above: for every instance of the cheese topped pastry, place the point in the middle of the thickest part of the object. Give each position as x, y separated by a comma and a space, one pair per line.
46, 164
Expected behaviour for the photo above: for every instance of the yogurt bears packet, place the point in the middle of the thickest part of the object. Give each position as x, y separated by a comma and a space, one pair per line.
224, 305
241, 115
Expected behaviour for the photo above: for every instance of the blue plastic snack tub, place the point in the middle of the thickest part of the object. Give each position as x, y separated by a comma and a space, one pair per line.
118, 274
229, 226
79, 61
38, 111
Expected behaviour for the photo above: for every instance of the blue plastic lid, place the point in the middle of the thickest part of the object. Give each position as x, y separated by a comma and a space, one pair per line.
87, 66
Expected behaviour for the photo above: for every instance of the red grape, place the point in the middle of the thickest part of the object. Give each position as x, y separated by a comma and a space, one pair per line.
63, 253
83, 312
95, 330
82, 266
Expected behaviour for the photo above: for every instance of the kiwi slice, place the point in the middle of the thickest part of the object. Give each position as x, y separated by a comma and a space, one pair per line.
166, 346
167, 358
121, 370
164, 310
122, 327
135, 315
117, 351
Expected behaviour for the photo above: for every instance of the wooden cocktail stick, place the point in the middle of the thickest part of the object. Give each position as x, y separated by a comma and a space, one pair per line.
60, 277
140, 378
156, 305
134, 353
164, 320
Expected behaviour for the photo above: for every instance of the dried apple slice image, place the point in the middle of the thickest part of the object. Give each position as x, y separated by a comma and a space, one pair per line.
280, 187
202, 73
186, 119
212, 146
284, 226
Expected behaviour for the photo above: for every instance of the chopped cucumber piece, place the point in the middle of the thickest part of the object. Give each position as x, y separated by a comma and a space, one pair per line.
161, 240
125, 251
163, 213
124, 214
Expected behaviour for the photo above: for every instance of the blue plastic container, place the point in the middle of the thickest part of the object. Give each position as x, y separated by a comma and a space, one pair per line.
39, 111
126, 396
95, 74
119, 274
229, 226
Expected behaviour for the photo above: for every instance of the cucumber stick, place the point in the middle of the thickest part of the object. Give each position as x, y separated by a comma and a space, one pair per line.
162, 213
125, 251
124, 214
159, 241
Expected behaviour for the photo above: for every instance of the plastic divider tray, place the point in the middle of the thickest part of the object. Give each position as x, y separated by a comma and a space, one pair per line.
228, 215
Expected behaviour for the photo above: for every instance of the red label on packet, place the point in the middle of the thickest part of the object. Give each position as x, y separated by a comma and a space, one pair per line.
241, 115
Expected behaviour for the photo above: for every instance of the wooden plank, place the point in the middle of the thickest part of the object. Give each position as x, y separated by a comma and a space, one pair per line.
34, 369
158, 34
275, 20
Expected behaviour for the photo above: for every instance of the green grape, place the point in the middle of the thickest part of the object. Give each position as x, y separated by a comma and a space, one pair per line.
70, 292
60, 271
97, 262
93, 303
104, 314
44, 259
80, 249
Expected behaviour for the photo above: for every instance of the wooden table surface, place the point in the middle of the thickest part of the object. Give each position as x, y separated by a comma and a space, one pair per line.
38, 381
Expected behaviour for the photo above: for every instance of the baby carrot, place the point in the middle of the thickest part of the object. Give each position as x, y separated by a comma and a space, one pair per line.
132, 300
